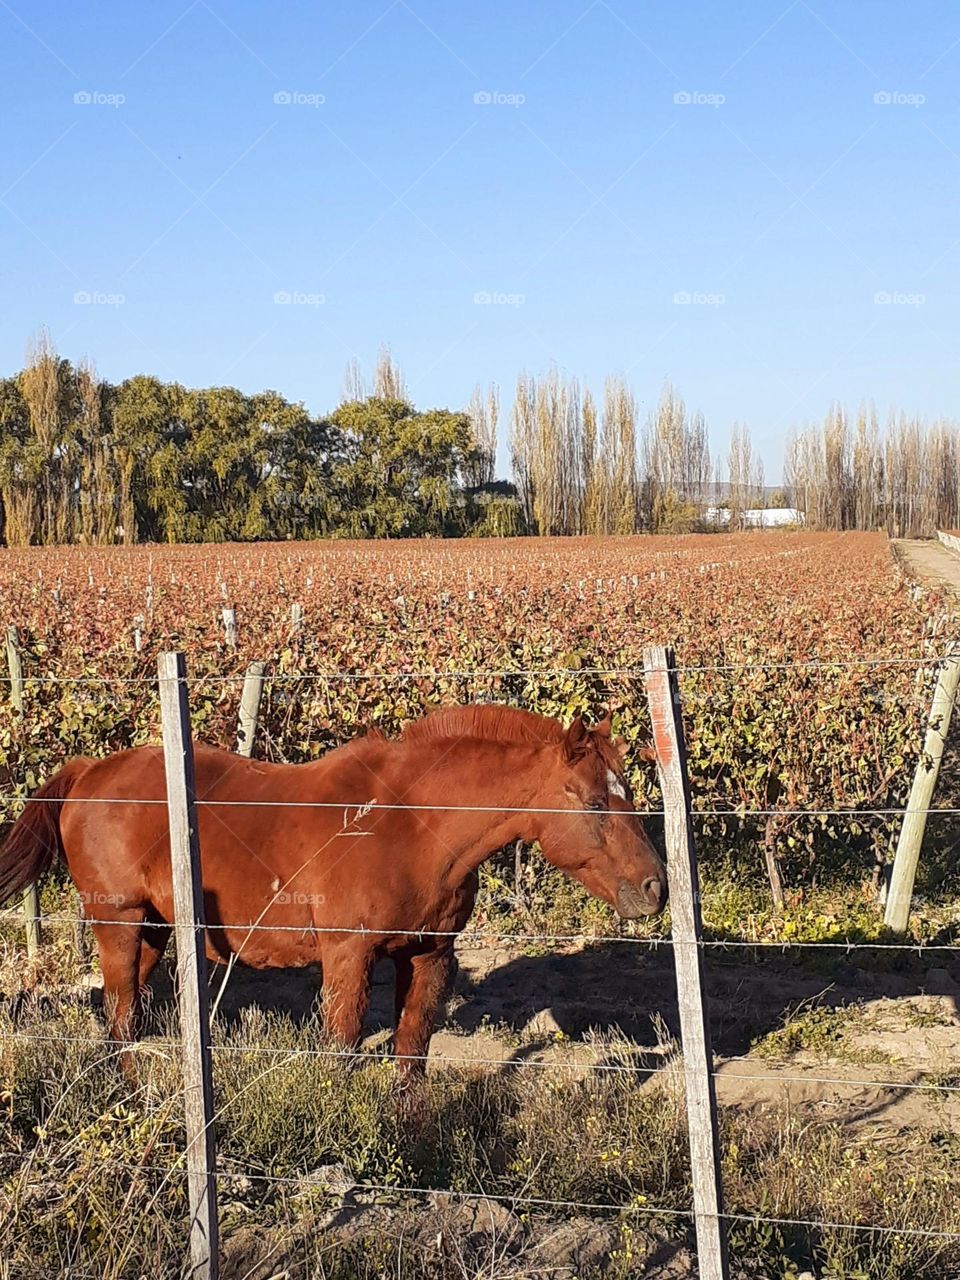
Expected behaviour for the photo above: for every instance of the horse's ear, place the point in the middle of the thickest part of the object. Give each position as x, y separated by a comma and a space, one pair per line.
604, 725
647, 753
575, 740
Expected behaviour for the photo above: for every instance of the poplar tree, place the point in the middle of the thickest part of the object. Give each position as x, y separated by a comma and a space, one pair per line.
484, 411
619, 414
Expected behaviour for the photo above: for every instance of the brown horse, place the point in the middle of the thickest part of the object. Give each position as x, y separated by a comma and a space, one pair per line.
371, 851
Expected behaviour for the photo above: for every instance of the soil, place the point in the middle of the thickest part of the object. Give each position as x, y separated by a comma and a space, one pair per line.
895, 1026
929, 561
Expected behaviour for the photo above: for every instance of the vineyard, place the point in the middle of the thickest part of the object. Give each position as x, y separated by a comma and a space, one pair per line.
806, 663
384, 632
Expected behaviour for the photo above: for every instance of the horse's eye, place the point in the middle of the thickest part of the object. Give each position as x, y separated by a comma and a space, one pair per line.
597, 803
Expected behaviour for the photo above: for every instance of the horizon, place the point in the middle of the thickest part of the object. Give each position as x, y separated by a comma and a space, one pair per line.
735, 206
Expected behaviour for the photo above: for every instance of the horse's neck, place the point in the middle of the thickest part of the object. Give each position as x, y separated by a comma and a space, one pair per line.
483, 792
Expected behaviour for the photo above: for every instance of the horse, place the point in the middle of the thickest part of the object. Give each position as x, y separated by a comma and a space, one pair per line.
372, 850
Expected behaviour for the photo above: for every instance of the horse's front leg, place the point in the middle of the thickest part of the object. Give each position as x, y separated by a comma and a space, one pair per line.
422, 984
346, 990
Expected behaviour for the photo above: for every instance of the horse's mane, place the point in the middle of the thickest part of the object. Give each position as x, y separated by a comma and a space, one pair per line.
489, 723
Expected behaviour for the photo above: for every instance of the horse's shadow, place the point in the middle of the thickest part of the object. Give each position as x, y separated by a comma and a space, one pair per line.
617, 988
293, 994
608, 988
628, 990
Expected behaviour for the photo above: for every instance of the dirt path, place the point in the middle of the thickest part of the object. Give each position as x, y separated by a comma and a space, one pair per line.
929, 562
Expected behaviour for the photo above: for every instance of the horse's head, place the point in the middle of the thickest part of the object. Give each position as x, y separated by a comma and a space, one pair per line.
600, 841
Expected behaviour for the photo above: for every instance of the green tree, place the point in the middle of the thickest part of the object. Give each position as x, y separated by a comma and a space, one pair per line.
226, 455
293, 497
146, 460
399, 473
49, 391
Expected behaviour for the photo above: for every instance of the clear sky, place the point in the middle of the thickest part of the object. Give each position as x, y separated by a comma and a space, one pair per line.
619, 156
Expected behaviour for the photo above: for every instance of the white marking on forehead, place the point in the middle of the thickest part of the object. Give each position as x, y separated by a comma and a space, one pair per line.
615, 786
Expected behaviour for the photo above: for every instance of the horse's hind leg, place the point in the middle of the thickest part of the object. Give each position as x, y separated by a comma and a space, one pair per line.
120, 945
153, 943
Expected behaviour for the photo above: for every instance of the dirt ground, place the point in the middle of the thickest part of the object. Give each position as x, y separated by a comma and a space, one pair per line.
929, 561
859, 1036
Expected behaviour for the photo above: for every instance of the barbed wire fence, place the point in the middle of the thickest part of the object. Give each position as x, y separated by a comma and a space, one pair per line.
707, 1214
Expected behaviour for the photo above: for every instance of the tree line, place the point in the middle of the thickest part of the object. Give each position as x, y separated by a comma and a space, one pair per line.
581, 467
903, 477
83, 460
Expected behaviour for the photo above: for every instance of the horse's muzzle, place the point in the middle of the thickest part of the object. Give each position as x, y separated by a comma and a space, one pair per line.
644, 900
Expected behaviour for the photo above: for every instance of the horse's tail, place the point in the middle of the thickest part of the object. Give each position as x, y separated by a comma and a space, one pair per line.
34, 840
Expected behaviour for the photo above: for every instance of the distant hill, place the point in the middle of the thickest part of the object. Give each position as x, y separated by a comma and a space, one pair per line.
722, 491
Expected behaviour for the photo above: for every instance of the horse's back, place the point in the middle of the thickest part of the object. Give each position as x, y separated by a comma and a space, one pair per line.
115, 835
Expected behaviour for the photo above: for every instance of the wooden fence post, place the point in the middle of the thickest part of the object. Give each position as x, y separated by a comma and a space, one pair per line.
15, 668
230, 627
296, 617
899, 895
191, 966
663, 697
31, 895
250, 708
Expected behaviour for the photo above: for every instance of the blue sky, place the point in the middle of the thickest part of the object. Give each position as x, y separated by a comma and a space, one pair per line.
620, 158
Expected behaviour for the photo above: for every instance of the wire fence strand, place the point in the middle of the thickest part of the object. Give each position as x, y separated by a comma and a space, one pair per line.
376, 806
14, 915
503, 673
377, 1053
307, 1178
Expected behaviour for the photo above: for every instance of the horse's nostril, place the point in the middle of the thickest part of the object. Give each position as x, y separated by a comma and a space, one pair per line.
652, 889
643, 899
